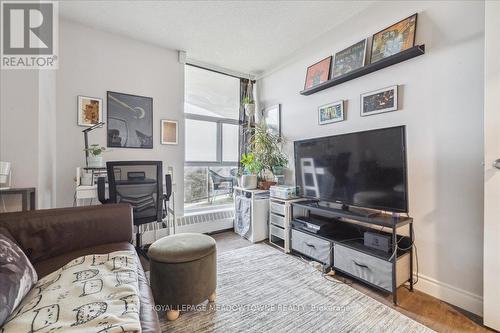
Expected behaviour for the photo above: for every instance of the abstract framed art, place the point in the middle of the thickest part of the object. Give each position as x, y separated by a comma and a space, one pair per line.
331, 113
169, 132
130, 121
272, 118
394, 39
89, 111
349, 59
379, 101
318, 73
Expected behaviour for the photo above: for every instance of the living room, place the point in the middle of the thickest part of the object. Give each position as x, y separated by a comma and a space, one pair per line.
312, 166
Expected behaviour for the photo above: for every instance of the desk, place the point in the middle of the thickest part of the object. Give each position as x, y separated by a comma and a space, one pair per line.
27, 195
87, 192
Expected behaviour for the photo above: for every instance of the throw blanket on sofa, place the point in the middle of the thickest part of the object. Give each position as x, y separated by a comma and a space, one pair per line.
90, 294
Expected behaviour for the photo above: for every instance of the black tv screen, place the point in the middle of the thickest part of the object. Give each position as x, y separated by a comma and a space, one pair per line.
364, 169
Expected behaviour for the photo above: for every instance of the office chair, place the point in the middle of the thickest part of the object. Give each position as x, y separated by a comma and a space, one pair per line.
138, 183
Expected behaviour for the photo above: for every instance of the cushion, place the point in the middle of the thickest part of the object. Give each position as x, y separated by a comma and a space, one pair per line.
89, 294
181, 248
16, 273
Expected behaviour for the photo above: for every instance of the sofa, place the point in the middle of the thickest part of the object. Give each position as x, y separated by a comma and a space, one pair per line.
51, 238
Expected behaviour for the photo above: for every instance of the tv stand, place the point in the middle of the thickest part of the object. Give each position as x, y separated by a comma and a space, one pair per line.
360, 211
343, 249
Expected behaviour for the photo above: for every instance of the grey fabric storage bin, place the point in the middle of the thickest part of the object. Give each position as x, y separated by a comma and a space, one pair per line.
313, 247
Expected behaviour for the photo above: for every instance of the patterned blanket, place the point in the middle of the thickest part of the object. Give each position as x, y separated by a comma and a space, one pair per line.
90, 294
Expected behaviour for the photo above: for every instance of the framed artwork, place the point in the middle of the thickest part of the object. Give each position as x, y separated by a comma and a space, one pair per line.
272, 118
89, 111
349, 59
130, 121
379, 101
169, 132
331, 113
396, 38
318, 73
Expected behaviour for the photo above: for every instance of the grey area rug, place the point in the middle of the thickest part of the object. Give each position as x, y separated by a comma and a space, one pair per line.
261, 289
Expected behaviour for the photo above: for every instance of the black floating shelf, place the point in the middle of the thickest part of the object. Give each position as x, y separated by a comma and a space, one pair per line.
370, 68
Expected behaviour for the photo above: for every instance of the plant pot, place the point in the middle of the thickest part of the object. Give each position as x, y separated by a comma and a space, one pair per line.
278, 170
95, 161
265, 184
248, 182
249, 110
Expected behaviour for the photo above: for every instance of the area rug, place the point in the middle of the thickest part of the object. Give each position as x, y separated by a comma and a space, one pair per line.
260, 289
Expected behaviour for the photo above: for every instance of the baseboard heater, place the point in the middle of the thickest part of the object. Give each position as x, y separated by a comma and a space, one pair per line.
206, 222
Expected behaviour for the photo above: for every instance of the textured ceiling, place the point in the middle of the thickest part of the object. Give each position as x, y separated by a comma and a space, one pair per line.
244, 36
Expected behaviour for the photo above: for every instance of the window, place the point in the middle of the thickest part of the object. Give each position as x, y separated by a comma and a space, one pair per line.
212, 137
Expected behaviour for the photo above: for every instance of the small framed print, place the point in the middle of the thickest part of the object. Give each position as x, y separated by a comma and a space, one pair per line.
169, 132
318, 73
331, 113
379, 101
89, 111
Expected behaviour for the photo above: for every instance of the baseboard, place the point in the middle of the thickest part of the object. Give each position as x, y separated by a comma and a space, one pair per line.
450, 294
206, 227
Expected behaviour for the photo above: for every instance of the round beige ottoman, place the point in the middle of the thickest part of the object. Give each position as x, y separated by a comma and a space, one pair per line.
183, 271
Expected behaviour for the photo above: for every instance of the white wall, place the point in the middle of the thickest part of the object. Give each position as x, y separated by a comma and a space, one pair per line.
491, 174
19, 130
441, 105
93, 62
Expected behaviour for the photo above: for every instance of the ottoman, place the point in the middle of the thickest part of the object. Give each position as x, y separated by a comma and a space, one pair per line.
183, 271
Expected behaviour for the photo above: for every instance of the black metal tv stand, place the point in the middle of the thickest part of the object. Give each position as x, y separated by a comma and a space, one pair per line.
382, 270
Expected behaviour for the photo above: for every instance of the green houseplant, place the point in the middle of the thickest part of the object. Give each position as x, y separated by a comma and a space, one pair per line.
251, 168
95, 156
267, 148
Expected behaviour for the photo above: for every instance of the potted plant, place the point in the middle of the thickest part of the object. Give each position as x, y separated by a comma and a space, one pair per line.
94, 159
267, 148
249, 107
251, 168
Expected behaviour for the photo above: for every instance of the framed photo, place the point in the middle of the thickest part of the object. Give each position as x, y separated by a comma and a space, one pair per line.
272, 118
169, 132
396, 38
349, 59
89, 111
331, 113
130, 121
379, 101
318, 73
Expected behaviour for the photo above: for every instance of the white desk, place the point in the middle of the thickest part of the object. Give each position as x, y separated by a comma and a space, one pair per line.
87, 195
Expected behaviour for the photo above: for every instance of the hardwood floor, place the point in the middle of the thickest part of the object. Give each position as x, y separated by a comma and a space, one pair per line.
430, 311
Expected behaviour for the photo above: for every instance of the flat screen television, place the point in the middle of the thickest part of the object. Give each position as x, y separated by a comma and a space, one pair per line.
364, 169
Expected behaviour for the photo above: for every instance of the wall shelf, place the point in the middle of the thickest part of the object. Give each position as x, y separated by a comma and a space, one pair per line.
370, 68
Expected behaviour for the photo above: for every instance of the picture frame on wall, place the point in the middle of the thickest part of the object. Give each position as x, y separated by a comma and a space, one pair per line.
331, 113
394, 39
169, 132
349, 59
89, 111
379, 101
272, 117
318, 73
130, 121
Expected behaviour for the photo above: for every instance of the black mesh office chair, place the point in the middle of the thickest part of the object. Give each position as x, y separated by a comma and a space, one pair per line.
138, 183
